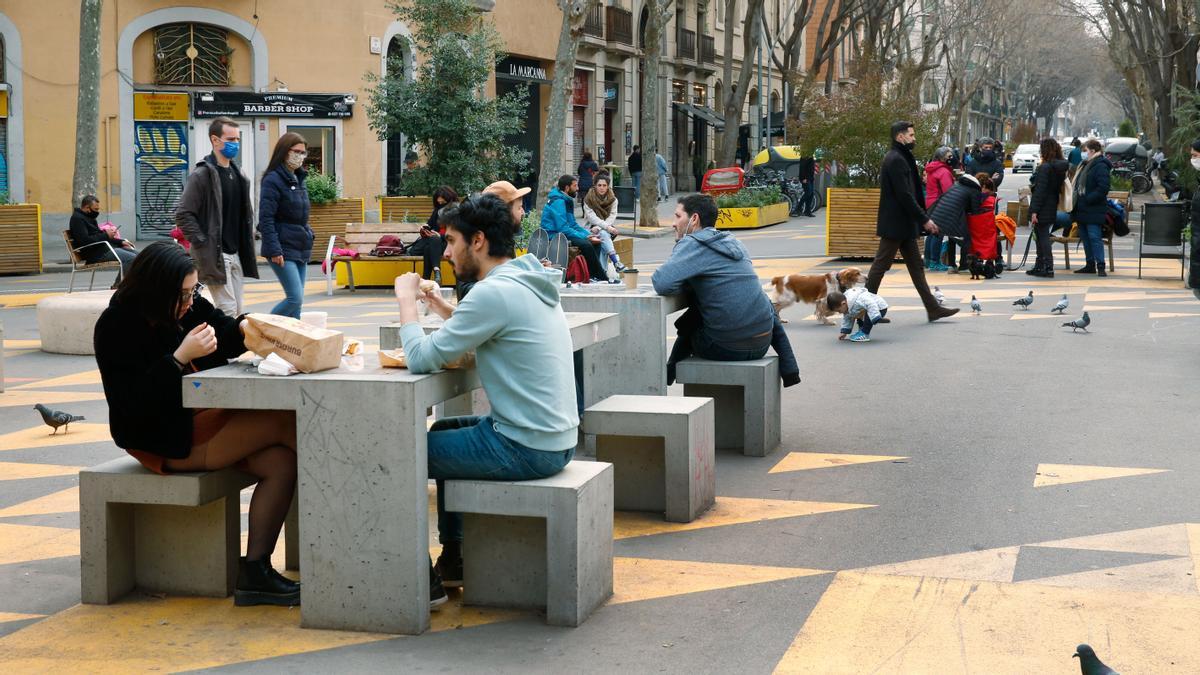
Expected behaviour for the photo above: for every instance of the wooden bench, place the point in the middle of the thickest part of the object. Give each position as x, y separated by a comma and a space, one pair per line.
538, 543
362, 238
177, 534
79, 264
1066, 240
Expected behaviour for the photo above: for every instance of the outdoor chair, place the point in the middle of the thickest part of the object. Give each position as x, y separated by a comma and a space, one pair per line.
1162, 225
80, 264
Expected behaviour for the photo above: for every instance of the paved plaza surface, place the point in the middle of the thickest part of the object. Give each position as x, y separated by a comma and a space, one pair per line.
979, 494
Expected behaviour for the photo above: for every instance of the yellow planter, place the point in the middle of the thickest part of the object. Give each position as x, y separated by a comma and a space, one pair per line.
750, 218
21, 238
850, 218
384, 272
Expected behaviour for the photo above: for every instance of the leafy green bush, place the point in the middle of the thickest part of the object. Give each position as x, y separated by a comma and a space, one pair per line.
748, 198
531, 222
1126, 129
3, 197
616, 176
1120, 184
322, 189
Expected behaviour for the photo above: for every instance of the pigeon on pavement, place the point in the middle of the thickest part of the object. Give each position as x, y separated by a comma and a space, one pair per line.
1081, 322
1024, 302
1090, 664
1062, 305
975, 306
937, 294
57, 418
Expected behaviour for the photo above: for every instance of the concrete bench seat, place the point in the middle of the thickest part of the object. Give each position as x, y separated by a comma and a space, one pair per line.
662, 452
66, 322
538, 544
747, 399
179, 534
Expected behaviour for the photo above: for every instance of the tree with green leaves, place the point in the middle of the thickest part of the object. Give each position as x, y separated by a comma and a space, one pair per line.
460, 132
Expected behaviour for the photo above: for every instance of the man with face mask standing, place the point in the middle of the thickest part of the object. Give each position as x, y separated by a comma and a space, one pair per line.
216, 216
901, 219
988, 161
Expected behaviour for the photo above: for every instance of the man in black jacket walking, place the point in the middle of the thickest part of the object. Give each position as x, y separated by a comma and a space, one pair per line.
901, 219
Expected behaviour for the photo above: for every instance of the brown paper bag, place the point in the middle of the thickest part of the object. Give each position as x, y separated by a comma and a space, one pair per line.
395, 358
306, 347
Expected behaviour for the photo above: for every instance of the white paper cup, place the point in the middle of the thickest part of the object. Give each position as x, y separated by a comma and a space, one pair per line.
631, 278
315, 319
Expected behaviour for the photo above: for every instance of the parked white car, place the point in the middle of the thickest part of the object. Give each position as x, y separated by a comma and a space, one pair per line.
1027, 156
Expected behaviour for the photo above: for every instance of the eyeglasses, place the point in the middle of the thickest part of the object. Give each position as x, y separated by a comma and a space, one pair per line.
193, 294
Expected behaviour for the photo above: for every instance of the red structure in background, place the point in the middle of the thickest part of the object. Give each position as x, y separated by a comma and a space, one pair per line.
727, 179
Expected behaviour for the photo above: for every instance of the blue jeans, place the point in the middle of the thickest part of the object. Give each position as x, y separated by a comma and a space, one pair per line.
470, 447
637, 180
606, 246
291, 276
933, 249
865, 324
1092, 236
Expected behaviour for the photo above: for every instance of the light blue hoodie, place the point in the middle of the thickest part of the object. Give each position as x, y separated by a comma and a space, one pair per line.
513, 320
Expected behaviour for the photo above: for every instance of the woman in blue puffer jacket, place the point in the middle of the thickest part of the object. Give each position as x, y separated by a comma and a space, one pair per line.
283, 207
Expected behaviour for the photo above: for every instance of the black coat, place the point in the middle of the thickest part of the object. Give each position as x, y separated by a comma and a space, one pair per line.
84, 231
950, 211
900, 196
992, 168
635, 163
142, 383
1047, 184
1091, 199
1194, 272
283, 208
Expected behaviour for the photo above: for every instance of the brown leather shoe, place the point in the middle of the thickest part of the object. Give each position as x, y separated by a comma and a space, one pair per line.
942, 312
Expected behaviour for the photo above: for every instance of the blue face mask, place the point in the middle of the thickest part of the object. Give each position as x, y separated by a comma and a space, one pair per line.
230, 149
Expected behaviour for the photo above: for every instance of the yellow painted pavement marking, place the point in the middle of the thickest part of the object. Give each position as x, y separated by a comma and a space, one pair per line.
23, 543
1193, 530
20, 471
1024, 316
63, 501
1106, 308
1102, 296
14, 300
85, 377
1191, 302
1061, 474
39, 436
1160, 576
996, 564
349, 302
13, 616
347, 324
727, 511
637, 579
1172, 315
29, 397
394, 314
799, 461
876, 623
22, 344
1163, 540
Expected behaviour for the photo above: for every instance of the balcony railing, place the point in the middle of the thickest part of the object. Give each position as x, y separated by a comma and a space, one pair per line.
686, 47
594, 24
619, 23
708, 49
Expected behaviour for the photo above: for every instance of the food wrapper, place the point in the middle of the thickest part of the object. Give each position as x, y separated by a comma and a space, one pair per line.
275, 365
426, 286
394, 358
308, 348
351, 347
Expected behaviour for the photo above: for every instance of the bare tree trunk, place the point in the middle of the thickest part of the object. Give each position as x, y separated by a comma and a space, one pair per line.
574, 14
87, 112
735, 95
655, 41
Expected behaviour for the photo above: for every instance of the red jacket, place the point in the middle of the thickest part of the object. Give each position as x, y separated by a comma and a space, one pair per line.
982, 226
938, 179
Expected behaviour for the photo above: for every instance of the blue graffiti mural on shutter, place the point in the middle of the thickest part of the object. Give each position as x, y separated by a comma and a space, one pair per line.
161, 160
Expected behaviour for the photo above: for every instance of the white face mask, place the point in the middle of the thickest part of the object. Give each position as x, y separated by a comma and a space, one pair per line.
294, 161
1196, 163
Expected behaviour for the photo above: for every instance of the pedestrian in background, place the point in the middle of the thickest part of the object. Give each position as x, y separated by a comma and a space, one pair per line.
901, 219
216, 215
635, 166
988, 161
939, 177
1091, 205
283, 208
664, 191
600, 216
1046, 184
1075, 158
431, 242
559, 216
587, 170
1194, 272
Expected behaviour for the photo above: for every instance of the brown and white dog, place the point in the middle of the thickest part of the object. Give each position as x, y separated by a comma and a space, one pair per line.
786, 291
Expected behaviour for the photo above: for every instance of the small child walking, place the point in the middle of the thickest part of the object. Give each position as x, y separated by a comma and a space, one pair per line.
861, 305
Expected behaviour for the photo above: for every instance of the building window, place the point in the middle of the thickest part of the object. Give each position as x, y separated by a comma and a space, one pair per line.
398, 150
191, 54
322, 148
679, 91
930, 93
699, 94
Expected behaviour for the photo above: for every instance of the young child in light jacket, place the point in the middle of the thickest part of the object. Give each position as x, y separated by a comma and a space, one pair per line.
861, 305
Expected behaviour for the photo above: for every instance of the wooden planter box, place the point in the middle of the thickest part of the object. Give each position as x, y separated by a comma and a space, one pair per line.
330, 219
21, 239
396, 209
850, 217
751, 218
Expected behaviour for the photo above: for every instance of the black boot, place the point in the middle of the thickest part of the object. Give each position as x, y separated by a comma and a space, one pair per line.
437, 594
1090, 268
259, 584
450, 564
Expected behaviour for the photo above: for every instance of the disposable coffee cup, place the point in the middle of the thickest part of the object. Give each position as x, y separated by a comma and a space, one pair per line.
631, 278
314, 319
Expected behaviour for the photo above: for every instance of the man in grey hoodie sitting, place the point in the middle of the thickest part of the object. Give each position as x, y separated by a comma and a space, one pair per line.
729, 318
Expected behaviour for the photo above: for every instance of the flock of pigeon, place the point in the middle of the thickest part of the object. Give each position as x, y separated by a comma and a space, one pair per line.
1061, 306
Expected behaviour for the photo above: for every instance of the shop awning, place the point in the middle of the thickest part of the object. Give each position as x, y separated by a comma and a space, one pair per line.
707, 114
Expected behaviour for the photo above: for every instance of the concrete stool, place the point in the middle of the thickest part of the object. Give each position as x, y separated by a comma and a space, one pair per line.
178, 534
747, 397
661, 449
66, 322
538, 543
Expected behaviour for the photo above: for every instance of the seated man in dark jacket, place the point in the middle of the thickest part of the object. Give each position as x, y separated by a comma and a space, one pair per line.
729, 318
85, 232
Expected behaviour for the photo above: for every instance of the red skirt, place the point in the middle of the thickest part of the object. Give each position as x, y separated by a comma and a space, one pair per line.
206, 422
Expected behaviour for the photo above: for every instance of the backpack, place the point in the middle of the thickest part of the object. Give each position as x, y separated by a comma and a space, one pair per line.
1115, 219
577, 271
387, 246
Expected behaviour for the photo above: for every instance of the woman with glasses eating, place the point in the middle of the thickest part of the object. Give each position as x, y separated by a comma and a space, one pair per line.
283, 207
156, 330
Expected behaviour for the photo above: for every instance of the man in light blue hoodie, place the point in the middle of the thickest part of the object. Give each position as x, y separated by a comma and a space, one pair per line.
512, 312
